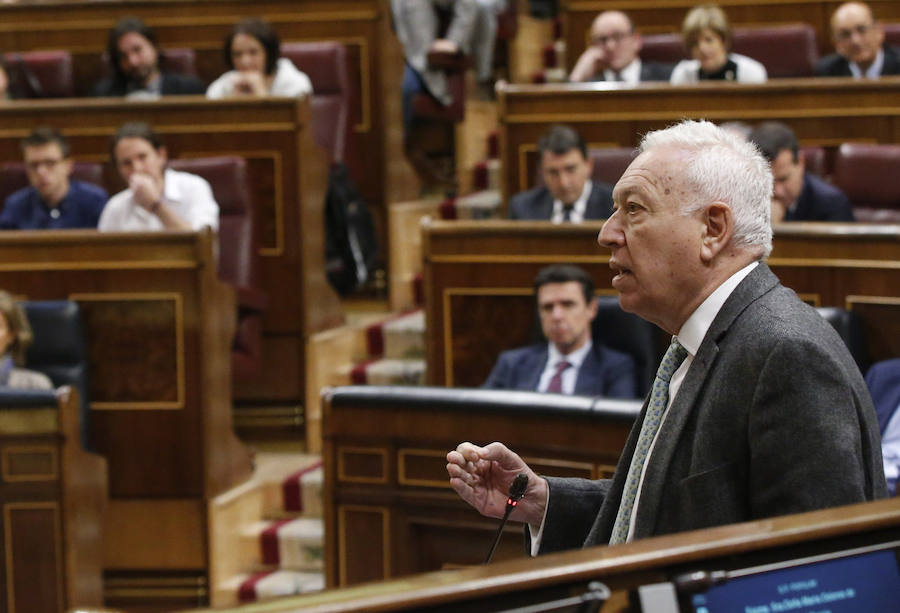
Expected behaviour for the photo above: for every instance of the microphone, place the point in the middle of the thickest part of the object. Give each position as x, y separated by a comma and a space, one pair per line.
516, 492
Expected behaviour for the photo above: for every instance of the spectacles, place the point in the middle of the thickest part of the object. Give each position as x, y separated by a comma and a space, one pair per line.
48, 164
845, 34
615, 37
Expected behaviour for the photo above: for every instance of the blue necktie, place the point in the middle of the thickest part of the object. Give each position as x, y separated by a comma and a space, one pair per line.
656, 407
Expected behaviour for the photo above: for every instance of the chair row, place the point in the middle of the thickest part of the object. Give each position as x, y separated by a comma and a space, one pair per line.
238, 240
868, 173
50, 74
785, 50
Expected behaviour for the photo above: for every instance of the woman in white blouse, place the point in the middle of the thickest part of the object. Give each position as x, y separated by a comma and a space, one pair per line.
253, 52
707, 37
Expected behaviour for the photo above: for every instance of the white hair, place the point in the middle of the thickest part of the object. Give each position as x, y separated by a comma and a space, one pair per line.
722, 167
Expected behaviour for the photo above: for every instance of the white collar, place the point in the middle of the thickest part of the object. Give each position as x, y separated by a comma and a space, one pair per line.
575, 358
578, 207
697, 325
874, 70
631, 74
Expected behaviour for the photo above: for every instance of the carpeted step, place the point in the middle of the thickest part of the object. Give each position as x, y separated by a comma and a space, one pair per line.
271, 584
404, 337
389, 372
290, 544
302, 491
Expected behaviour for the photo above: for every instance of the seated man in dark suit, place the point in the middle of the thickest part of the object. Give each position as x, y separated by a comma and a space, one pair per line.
568, 193
798, 195
52, 201
883, 381
569, 362
134, 60
613, 54
859, 41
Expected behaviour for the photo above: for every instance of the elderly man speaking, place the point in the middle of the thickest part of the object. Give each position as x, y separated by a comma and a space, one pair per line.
757, 409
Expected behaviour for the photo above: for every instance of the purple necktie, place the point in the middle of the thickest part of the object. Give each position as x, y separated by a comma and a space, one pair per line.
556, 381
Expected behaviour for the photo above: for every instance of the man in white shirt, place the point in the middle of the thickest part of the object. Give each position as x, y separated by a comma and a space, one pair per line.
613, 54
568, 193
758, 408
157, 198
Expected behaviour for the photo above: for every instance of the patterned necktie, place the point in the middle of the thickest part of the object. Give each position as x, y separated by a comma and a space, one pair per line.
659, 399
556, 381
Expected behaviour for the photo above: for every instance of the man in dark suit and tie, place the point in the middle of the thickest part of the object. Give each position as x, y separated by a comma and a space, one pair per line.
613, 54
859, 43
797, 195
568, 194
757, 410
883, 380
569, 362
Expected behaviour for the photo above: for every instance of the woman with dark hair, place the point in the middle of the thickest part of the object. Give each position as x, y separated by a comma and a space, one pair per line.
253, 52
15, 337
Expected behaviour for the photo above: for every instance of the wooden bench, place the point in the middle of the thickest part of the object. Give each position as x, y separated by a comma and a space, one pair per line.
288, 175
665, 16
824, 112
389, 507
54, 500
660, 562
479, 275
82, 26
158, 326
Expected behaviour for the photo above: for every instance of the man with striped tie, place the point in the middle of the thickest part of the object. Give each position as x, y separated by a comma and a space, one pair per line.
757, 410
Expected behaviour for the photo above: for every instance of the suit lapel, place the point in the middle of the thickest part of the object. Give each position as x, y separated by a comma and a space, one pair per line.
534, 367
544, 205
588, 374
758, 282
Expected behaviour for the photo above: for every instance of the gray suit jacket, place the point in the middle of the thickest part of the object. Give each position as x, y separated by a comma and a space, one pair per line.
772, 418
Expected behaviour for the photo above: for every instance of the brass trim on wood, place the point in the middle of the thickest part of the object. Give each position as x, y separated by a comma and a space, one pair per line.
402, 479
8, 509
49, 450
29, 421
175, 297
516, 259
96, 265
385, 513
375, 451
278, 174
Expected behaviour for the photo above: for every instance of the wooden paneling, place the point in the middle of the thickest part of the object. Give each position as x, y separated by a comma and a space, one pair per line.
389, 508
823, 112
478, 279
153, 302
82, 26
288, 177
54, 497
665, 16
624, 568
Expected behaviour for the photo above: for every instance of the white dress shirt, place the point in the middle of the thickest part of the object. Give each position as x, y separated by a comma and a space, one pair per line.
874, 70
578, 208
631, 74
189, 196
569, 375
690, 336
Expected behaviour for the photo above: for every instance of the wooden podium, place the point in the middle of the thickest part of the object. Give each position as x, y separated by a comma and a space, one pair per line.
158, 326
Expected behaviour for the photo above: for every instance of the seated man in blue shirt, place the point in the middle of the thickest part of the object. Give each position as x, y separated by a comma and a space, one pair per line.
569, 362
52, 201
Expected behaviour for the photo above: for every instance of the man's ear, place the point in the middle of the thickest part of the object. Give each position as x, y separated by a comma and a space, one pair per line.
163, 154
69, 165
718, 229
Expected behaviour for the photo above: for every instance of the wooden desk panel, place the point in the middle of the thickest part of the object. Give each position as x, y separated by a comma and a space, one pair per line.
823, 112
288, 175
158, 326
478, 280
82, 26
665, 17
